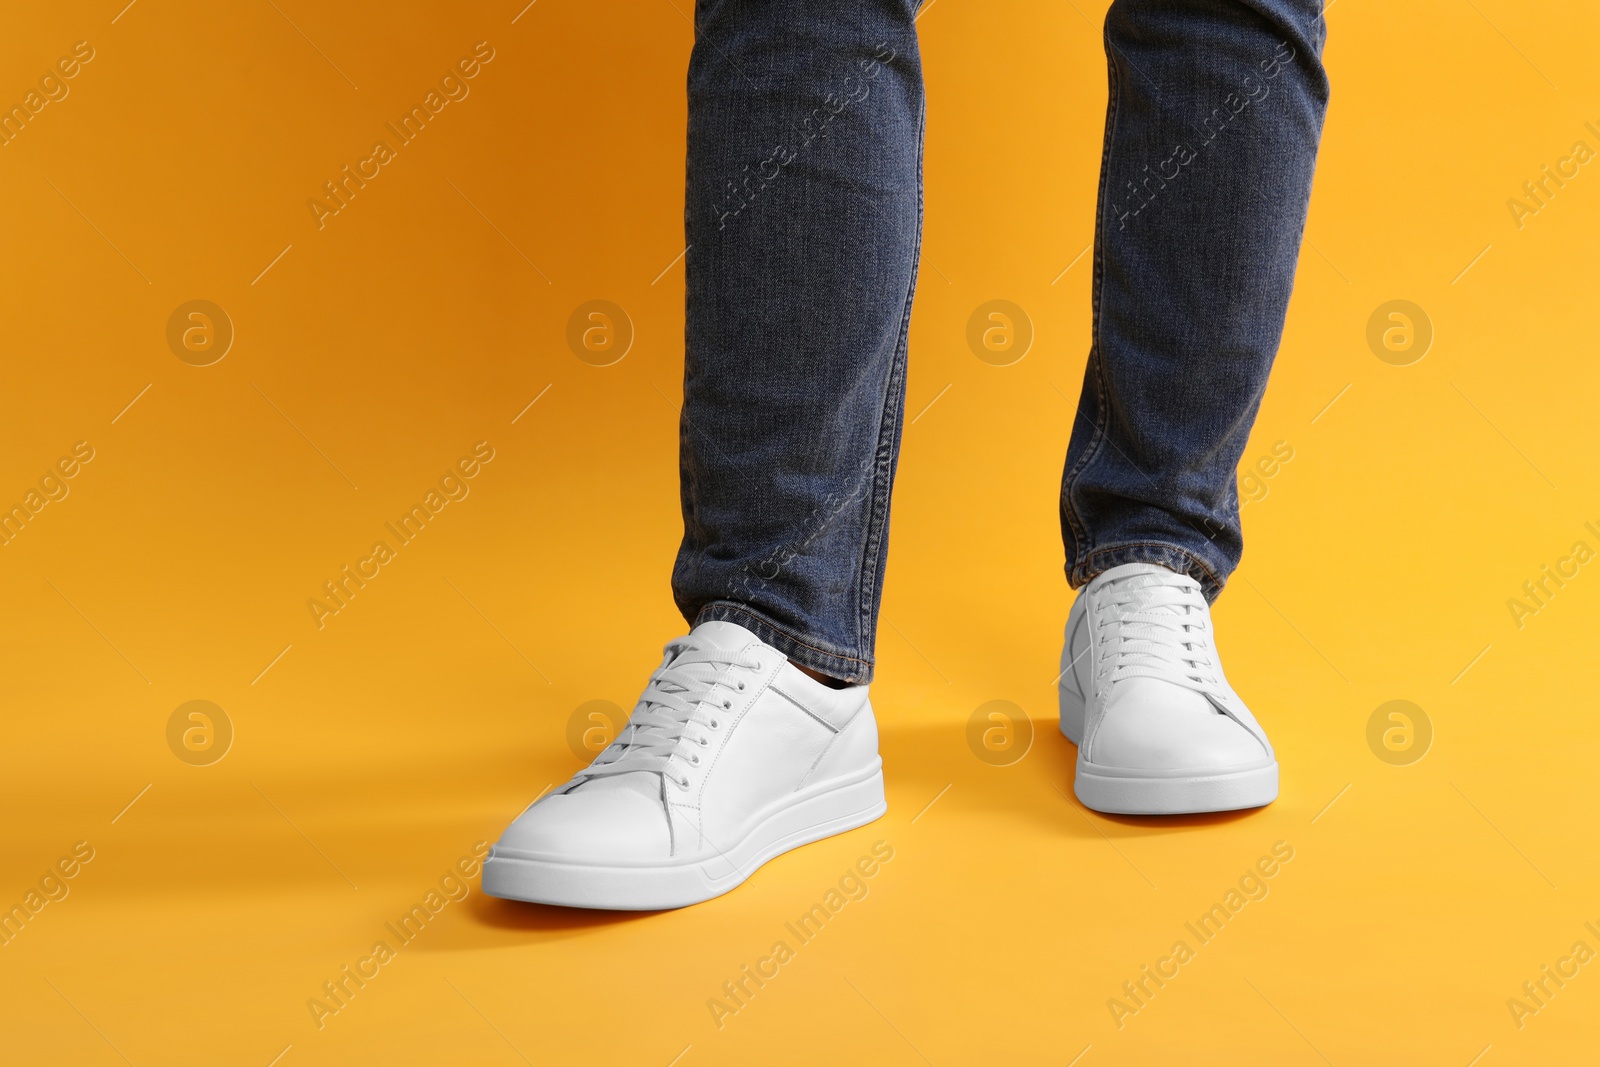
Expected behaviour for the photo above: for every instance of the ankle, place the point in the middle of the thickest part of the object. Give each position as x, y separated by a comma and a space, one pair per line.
827, 680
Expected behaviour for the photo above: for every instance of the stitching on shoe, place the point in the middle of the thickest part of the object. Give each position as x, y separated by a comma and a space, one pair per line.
808, 711
1255, 731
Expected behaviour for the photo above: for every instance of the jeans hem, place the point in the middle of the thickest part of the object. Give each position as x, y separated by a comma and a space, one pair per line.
1173, 557
851, 669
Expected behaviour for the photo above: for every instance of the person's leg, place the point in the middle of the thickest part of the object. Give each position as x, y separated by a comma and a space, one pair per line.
803, 218
1215, 113
803, 211
1212, 127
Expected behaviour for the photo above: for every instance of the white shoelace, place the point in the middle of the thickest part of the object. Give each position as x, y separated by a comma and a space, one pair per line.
1155, 627
680, 706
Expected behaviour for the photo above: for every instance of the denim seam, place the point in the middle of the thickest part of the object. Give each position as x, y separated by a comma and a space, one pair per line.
728, 606
1096, 366
883, 476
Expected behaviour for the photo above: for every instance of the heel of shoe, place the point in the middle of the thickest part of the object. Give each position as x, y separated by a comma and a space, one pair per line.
853, 749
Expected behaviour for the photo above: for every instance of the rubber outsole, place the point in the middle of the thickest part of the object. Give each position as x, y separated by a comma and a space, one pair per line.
1128, 794
824, 810
1131, 791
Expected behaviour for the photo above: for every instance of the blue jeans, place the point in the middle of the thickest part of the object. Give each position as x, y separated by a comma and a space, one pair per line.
803, 218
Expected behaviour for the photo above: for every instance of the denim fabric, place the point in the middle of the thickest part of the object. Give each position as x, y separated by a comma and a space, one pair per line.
803, 214
1211, 136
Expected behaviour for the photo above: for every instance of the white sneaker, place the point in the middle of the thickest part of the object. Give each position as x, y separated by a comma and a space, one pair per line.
731, 757
1159, 730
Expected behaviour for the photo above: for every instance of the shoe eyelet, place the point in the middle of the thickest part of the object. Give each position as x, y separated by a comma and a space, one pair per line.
694, 760
715, 723
702, 742
726, 704
741, 687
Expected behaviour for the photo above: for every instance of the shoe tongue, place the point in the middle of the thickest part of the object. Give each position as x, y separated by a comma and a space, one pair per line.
724, 636
684, 679
1136, 576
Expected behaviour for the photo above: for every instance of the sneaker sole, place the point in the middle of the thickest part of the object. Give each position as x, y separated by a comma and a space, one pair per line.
1131, 791
823, 811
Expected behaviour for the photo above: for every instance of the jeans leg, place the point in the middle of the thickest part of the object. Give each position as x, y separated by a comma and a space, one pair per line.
1215, 113
803, 217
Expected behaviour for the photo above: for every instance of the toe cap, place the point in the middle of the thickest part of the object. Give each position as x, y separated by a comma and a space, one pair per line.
1159, 726
591, 824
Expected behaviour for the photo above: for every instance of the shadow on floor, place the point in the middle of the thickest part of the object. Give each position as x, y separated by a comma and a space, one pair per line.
932, 775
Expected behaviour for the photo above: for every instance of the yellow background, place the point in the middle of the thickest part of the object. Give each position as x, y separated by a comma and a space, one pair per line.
426, 315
